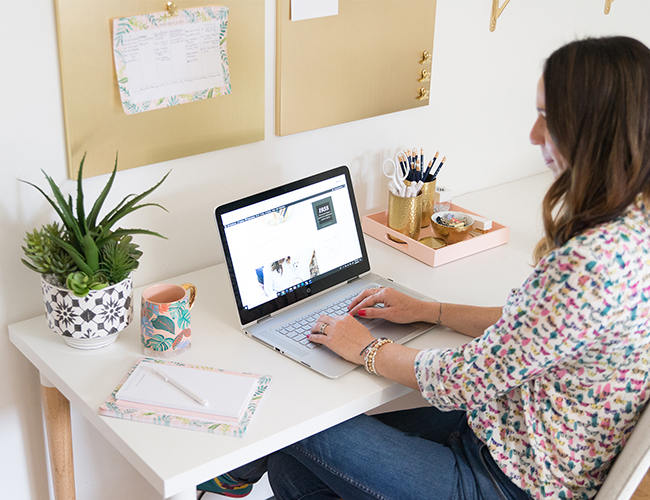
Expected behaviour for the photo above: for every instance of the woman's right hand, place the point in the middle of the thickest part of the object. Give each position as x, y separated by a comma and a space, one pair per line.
398, 307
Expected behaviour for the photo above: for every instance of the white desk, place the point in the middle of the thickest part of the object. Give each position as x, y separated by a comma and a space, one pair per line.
299, 402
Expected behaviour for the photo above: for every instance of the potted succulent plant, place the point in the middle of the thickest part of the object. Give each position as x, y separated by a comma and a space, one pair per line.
86, 264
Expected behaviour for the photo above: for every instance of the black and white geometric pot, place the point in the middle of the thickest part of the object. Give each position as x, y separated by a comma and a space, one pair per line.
92, 321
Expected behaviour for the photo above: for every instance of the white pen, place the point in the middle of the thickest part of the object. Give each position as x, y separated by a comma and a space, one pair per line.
181, 388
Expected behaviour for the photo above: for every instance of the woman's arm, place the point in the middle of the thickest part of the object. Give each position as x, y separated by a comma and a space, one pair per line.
400, 308
468, 320
397, 362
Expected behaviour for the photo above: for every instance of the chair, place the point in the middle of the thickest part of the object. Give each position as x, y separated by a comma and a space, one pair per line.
631, 465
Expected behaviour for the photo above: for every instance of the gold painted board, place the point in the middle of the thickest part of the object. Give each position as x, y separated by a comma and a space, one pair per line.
363, 62
94, 119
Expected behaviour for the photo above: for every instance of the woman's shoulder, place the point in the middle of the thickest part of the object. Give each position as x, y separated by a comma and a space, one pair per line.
607, 247
627, 232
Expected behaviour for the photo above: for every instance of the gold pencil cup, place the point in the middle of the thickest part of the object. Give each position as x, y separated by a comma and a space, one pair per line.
405, 215
428, 193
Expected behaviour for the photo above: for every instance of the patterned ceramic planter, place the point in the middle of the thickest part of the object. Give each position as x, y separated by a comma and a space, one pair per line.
92, 321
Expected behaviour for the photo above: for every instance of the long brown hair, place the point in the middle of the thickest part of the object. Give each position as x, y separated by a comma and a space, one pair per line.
597, 94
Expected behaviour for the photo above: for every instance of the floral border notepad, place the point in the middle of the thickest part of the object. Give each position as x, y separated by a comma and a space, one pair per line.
164, 60
185, 417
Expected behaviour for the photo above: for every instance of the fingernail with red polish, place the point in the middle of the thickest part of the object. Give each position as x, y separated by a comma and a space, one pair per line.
362, 312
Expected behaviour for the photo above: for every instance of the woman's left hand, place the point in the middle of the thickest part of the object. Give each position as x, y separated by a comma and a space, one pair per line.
342, 334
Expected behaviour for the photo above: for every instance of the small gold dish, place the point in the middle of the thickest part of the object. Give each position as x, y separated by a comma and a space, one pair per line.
432, 242
452, 235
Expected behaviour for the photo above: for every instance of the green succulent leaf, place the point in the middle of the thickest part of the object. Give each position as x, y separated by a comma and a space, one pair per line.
128, 205
44, 255
125, 232
97, 206
78, 258
91, 252
81, 215
65, 208
119, 258
81, 284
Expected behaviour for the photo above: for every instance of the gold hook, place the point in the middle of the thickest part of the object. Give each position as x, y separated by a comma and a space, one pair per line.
425, 76
424, 94
172, 9
426, 57
496, 12
608, 5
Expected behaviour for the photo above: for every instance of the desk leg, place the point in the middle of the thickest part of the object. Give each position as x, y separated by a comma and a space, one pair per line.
184, 495
59, 438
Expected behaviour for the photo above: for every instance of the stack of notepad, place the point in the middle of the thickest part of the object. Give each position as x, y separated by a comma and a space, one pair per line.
187, 396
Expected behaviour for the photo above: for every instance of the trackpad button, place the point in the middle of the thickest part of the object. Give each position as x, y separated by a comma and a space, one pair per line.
392, 331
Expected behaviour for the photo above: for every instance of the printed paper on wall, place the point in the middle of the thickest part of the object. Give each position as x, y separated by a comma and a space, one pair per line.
164, 60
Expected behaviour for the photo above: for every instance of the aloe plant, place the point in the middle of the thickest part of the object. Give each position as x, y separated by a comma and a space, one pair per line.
84, 236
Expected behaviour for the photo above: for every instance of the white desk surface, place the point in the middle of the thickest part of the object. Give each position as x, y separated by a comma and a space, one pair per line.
299, 402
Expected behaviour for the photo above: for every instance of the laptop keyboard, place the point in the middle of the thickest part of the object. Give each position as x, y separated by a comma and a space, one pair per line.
297, 329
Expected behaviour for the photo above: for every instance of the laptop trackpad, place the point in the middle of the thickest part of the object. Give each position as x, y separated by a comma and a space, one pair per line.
392, 331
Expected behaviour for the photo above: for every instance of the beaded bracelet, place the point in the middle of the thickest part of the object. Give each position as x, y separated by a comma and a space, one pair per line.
371, 354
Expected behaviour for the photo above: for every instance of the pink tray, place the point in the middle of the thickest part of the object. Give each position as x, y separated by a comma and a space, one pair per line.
375, 226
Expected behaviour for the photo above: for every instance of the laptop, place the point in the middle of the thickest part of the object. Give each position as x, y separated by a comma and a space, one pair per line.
293, 251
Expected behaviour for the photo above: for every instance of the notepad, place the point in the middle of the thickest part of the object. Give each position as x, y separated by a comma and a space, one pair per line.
142, 396
227, 394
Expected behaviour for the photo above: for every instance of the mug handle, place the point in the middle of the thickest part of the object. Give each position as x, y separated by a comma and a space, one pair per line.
192, 290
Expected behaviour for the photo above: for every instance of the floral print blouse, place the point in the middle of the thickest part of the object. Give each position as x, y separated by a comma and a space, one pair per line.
555, 387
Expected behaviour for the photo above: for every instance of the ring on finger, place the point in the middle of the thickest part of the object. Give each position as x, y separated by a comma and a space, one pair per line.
322, 327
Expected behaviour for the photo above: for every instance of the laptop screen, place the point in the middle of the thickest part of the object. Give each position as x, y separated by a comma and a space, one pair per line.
286, 244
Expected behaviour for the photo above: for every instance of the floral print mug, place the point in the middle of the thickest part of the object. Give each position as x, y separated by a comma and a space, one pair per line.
165, 319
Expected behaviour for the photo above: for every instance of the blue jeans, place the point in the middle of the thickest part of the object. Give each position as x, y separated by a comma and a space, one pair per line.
418, 454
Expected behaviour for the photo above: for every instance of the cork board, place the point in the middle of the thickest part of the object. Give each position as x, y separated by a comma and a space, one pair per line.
95, 121
365, 61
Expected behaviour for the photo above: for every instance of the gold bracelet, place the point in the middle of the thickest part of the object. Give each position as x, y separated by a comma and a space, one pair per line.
371, 354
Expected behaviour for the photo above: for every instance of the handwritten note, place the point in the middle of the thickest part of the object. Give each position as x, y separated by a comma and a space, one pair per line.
164, 60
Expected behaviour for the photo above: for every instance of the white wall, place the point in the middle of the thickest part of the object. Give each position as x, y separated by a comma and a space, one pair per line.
482, 107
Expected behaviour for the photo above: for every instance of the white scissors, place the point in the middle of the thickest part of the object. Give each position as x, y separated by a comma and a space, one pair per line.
396, 176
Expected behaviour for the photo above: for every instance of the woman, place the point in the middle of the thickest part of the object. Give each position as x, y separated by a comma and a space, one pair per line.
543, 399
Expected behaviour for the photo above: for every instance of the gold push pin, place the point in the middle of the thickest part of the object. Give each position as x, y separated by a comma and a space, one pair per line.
172, 9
